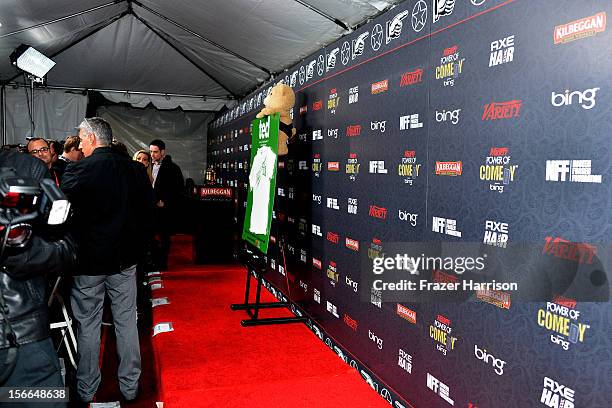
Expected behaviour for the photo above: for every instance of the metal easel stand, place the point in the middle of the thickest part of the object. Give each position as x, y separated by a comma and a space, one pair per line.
65, 325
256, 265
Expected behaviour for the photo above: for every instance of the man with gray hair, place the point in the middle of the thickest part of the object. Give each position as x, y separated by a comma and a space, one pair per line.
108, 194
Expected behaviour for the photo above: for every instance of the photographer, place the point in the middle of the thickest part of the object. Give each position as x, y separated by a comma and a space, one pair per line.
27, 355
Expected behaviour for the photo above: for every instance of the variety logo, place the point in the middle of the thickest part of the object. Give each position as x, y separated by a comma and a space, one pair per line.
333, 166
419, 16
451, 65
332, 273
411, 77
497, 169
449, 168
445, 226
483, 355
440, 331
494, 297
316, 230
378, 212
442, 8
350, 322
353, 130
317, 135
376, 249
502, 110
502, 51
578, 29
379, 125
333, 237
316, 294
380, 87
352, 206
352, 166
579, 171
410, 122
331, 58
331, 308
496, 234
351, 244
351, 283
333, 100
563, 323
585, 98
353, 95
404, 360
317, 166
406, 216
317, 105
377, 167
358, 45
375, 339
408, 167
406, 313
394, 27
451, 115
581, 253
439, 387
557, 395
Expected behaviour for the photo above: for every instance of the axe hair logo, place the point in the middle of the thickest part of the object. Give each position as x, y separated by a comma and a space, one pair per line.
442, 8
331, 59
394, 26
557, 395
359, 45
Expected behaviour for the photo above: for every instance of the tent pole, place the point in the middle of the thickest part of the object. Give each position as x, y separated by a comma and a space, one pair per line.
79, 13
325, 15
163, 38
69, 88
201, 37
3, 112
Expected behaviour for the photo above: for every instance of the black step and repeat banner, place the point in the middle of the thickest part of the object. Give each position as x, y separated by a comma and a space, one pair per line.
476, 132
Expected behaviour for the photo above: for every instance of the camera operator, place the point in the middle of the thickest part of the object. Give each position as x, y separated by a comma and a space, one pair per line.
27, 355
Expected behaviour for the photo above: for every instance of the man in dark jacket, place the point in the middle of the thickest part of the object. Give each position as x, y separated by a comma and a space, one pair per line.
23, 296
168, 184
109, 196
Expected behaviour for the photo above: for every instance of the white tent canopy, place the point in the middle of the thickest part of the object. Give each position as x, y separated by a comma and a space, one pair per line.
218, 50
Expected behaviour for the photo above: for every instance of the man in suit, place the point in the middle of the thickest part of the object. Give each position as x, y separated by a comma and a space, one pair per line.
168, 184
109, 195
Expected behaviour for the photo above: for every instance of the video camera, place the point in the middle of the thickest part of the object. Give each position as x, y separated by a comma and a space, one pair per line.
24, 201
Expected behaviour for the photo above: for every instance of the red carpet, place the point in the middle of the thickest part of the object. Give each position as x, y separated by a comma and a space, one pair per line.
209, 360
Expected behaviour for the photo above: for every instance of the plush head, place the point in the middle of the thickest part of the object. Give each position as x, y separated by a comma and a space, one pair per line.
280, 99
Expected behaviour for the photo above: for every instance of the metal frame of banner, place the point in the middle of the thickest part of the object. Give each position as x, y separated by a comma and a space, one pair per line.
255, 267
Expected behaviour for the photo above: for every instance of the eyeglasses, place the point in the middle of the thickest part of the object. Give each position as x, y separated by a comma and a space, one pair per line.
37, 151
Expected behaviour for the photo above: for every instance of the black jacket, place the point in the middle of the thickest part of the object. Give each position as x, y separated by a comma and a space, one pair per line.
169, 184
111, 197
22, 280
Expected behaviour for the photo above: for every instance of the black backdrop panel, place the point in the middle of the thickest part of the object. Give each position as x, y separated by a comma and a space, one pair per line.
463, 115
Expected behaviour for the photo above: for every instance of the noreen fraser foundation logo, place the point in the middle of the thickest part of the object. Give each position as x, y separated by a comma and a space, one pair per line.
578, 29
380, 87
449, 168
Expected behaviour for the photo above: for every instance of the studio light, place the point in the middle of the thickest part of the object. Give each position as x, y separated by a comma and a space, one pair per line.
31, 61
